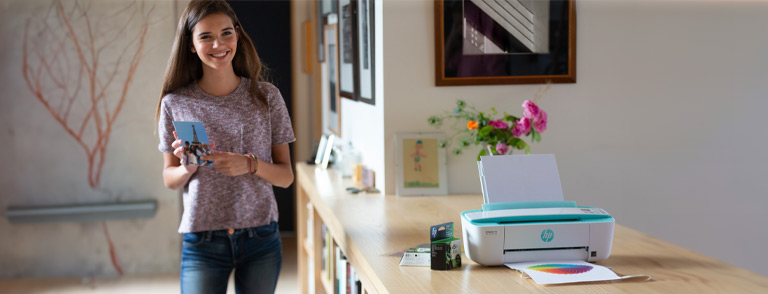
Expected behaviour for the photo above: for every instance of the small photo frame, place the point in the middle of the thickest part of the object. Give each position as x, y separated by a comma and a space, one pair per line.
321, 149
420, 164
327, 151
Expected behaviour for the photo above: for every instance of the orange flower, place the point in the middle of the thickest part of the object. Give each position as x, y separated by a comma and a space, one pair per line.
472, 125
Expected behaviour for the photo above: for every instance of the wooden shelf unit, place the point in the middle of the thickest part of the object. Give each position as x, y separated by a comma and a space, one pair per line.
311, 239
370, 229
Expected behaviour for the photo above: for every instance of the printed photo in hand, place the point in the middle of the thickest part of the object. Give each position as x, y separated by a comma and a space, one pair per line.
195, 142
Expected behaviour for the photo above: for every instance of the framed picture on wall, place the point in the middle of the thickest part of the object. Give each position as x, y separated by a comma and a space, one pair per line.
346, 41
420, 164
516, 42
365, 51
330, 88
323, 8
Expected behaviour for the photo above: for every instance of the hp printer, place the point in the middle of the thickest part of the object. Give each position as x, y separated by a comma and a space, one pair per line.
519, 231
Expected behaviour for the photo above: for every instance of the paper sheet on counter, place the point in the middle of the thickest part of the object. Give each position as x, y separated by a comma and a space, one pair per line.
561, 272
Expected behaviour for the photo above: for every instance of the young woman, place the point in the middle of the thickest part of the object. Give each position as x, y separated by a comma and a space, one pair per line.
229, 221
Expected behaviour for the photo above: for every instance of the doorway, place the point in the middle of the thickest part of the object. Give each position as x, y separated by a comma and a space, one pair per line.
268, 23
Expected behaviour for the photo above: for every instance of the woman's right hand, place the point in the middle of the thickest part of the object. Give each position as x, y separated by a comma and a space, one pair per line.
178, 151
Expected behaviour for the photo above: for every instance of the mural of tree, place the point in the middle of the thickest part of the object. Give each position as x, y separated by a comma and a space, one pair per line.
79, 62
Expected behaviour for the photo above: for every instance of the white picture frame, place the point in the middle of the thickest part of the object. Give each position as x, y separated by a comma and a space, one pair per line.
330, 82
327, 151
321, 149
420, 164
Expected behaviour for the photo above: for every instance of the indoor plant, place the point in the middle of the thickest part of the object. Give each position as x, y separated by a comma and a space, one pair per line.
499, 134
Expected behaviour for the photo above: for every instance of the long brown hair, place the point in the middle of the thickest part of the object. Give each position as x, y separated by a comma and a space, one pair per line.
185, 67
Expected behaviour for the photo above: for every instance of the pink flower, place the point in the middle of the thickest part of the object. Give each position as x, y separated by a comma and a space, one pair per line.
522, 127
540, 124
502, 148
531, 110
499, 124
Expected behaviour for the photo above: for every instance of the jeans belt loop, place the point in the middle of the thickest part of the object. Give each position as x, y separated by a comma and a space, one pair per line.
208, 235
250, 232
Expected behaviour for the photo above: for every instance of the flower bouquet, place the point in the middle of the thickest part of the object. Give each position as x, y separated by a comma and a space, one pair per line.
499, 134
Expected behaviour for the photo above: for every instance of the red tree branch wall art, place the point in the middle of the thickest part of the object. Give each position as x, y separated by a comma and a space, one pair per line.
80, 64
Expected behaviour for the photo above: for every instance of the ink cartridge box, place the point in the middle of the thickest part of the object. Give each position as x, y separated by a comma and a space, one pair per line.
445, 249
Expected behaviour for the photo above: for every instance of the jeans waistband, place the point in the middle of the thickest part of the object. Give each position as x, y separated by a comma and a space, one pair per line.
235, 232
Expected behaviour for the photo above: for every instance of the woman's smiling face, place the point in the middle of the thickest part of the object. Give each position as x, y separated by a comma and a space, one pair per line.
215, 41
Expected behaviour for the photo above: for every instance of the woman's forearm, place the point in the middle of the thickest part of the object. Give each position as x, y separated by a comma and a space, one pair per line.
277, 174
175, 177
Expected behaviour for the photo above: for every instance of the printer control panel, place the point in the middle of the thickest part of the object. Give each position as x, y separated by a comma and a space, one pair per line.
592, 211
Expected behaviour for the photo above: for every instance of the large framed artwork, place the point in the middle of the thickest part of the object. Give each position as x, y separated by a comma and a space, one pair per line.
365, 51
330, 89
420, 164
347, 66
483, 42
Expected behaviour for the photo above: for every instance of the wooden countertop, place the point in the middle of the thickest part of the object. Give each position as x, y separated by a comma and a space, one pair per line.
370, 228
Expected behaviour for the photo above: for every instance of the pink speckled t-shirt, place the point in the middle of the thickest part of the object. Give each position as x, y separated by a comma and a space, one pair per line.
213, 201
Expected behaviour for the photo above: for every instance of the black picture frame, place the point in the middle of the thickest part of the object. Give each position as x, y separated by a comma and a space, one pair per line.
347, 36
366, 52
501, 48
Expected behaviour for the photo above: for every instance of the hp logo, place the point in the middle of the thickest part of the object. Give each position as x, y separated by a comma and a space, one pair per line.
547, 235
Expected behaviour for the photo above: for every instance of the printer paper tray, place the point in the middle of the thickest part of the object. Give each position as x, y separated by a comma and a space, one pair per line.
511, 256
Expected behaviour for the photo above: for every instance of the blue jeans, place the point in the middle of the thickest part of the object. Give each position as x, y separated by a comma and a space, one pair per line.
208, 258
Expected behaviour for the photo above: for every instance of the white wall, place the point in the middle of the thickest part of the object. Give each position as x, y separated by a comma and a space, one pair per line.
362, 123
43, 165
664, 127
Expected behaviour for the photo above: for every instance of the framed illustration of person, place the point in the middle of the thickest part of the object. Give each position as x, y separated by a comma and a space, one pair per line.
420, 164
504, 42
330, 82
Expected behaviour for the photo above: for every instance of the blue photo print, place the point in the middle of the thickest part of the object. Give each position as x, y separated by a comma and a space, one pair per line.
195, 142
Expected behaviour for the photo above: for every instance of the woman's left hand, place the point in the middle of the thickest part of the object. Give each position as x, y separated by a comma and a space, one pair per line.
228, 163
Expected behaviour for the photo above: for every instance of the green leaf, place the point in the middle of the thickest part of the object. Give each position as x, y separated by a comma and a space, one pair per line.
482, 152
512, 141
511, 118
536, 136
484, 131
527, 149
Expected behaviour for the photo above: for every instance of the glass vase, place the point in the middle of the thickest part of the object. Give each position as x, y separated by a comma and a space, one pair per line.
490, 149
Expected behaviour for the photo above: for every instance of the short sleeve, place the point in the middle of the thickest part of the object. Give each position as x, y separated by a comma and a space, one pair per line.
165, 128
282, 131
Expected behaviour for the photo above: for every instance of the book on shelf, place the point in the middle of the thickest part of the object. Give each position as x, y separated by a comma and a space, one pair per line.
310, 224
328, 253
341, 272
324, 258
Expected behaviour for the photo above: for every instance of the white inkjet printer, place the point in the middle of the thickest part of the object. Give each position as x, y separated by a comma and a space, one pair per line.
524, 217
